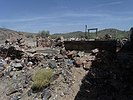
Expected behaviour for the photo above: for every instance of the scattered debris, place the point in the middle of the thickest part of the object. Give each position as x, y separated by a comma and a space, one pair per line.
51, 72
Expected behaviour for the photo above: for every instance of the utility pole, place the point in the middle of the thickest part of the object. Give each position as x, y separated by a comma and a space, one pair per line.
86, 31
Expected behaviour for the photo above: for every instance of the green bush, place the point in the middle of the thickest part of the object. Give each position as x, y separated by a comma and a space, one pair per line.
43, 33
42, 78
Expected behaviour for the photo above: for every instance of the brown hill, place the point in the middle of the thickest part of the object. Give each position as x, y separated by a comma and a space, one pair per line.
10, 34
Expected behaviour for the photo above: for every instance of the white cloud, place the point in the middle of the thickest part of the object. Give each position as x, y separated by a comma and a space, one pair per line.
55, 17
110, 3
87, 14
28, 19
122, 18
21, 19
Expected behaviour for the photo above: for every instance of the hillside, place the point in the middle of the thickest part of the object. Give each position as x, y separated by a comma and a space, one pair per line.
10, 34
78, 34
114, 32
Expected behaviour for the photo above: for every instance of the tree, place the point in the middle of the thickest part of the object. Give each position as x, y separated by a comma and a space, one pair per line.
44, 33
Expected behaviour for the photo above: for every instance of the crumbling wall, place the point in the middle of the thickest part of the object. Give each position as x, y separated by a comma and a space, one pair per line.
109, 45
131, 34
43, 42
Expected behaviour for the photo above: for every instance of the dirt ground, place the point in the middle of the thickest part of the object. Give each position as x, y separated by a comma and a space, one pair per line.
78, 74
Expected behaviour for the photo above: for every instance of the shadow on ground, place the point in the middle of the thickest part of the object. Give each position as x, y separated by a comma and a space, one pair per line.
109, 78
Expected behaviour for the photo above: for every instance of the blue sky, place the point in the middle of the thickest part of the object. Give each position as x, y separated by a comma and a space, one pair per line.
65, 15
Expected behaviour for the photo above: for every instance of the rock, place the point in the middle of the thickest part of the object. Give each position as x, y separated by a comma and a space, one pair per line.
1, 74
95, 51
14, 77
63, 51
69, 62
30, 64
17, 61
71, 54
8, 70
11, 90
58, 57
11, 73
46, 94
52, 64
15, 97
80, 54
55, 76
59, 42
29, 92
2, 62
47, 51
8, 60
62, 94
78, 63
86, 62
87, 65
17, 65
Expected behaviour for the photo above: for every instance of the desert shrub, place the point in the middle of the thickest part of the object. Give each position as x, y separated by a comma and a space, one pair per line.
43, 33
42, 78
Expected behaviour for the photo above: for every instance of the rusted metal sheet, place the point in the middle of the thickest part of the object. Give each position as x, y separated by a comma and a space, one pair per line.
109, 45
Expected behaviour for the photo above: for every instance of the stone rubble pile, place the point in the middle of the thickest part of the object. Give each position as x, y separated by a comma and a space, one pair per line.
17, 66
109, 75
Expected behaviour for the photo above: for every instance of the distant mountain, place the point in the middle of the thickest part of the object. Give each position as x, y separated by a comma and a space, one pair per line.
78, 34
8, 33
114, 32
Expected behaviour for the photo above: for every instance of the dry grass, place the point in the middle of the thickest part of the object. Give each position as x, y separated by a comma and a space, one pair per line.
42, 78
